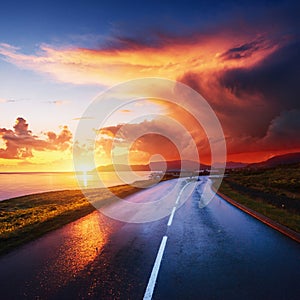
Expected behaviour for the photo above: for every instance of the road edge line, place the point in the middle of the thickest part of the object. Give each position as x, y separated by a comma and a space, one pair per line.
279, 227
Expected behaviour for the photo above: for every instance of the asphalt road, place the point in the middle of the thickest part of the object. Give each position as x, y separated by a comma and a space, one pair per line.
217, 252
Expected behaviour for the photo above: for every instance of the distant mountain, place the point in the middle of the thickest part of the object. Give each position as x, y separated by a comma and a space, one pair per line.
285, 159
235, 165
156, 166
125, 168
193, 165
176, 164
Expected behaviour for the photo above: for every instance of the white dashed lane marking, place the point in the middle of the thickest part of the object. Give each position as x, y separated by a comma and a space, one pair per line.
154, 273
171, 216
153, 277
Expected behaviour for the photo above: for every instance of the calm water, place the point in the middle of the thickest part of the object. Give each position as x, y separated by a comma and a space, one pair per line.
19, 184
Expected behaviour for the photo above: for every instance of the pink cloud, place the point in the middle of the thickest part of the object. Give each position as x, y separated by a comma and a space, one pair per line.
20, 142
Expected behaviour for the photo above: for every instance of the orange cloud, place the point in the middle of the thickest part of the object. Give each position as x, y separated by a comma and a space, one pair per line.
281, 137
20, 142
111, 66
158, 136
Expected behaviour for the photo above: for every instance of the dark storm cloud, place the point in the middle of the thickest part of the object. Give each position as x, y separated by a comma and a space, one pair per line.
284, 130
258, 106
245, 50
276, 78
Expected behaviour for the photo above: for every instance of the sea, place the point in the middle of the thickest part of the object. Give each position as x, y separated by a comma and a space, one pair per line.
20, 184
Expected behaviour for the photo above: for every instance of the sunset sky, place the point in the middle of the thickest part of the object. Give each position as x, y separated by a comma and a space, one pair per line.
56, 57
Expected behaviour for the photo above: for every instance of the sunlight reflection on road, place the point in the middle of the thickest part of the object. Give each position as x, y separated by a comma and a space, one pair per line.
81, 243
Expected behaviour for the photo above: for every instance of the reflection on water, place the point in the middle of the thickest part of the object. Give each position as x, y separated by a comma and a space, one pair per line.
19, 184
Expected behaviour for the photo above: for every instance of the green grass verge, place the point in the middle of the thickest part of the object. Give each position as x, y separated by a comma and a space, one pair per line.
273, 192
26, 218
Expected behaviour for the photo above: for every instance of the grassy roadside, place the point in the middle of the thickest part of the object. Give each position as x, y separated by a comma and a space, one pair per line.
273, 192
26, 218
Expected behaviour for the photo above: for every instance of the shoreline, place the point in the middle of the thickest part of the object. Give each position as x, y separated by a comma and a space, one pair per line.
25, 183
59, 190
269, 222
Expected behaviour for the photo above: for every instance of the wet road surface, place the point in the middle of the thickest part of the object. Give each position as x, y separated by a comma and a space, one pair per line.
217, 252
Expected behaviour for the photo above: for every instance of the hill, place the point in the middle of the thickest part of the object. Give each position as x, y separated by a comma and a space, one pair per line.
155, 166
189, 165
290, 158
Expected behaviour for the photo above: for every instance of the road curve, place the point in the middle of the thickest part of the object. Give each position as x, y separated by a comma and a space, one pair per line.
217, 252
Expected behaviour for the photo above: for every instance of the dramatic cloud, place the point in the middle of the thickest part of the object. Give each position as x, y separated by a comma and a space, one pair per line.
159, 136
20, 142
276, 78
282, 135
250, 100
245, 50
283, 131
111, 65
248, 71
